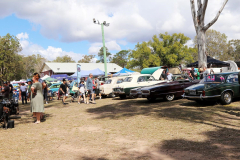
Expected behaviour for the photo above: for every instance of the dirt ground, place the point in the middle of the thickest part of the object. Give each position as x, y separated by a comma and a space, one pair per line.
126, 129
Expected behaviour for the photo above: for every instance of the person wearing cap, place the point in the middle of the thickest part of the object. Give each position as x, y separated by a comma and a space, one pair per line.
63, 88
6, 90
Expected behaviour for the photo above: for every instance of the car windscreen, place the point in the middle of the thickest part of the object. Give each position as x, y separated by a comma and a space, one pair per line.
128, 79
108, 81
119, 81
214, 78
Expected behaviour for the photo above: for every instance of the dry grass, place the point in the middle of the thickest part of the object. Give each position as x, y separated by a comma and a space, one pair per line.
125, 129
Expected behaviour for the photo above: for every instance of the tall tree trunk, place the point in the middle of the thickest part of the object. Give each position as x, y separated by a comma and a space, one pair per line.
198, 21
202, 56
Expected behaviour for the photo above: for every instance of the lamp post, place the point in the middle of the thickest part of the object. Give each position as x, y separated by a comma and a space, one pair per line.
103, 40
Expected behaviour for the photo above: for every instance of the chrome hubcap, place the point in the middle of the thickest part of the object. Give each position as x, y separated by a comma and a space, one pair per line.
170, 97
227, 97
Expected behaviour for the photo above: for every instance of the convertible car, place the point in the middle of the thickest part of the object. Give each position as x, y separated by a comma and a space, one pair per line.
167, 90
134, 81
221, 86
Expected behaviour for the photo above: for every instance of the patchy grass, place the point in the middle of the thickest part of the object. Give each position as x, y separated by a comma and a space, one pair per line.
126, 129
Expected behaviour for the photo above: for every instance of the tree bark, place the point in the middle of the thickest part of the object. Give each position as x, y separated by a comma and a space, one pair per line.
198, 21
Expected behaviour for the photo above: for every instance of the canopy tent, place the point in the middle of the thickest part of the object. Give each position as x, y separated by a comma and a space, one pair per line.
85, 73
124, 71
150, 70
44, 77
211, 62
59, 76
49, 79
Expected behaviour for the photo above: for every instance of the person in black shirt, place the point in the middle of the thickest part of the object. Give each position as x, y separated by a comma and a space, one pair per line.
192, 73
163, 75
6, 90
63, 88
11, 90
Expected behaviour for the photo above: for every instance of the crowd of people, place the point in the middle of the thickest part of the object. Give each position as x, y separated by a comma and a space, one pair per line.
194, 73
36, 92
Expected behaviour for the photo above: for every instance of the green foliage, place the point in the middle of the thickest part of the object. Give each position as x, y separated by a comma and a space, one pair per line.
101, 55
165, 49
31, 64
121, 58
234, 49
86, 59
64, 59
10, 61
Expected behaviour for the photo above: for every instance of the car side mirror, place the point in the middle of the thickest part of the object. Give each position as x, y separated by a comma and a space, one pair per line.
239, 77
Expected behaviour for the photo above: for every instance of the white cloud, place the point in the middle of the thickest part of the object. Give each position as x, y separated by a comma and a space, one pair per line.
22, 36
111, 45
50, 53
130, 20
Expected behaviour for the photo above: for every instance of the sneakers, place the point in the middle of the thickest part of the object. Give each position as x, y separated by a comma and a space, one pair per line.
46, 103
100, 97
78, 102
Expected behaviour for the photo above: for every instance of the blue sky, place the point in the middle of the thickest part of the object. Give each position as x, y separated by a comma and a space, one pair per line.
56, 28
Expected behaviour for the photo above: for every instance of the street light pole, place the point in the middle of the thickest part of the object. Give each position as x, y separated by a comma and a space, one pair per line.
103, 41
104, 51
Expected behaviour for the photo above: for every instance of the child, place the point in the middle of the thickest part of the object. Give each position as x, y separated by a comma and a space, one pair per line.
81, 89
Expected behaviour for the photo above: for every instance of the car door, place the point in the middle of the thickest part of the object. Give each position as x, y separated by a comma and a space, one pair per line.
141, 81
232, 84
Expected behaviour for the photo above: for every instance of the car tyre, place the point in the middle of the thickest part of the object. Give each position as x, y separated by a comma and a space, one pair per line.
151, 99
122, 96
226, 98
169, 97
111, 95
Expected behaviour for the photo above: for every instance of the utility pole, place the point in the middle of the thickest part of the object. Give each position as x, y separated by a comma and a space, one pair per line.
103, 41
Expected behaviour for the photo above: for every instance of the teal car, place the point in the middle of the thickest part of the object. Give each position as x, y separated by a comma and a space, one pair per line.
55, 87
215, 87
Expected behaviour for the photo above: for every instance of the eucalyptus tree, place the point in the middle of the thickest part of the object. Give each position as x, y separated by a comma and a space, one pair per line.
201, 28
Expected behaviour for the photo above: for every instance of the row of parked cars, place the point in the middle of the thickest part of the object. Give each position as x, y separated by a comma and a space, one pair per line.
214, 87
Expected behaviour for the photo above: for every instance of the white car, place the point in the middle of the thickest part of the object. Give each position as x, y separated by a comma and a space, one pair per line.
107, 88
134, 81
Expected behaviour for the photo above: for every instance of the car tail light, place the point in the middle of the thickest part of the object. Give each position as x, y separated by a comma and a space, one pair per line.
203, 93
102, 83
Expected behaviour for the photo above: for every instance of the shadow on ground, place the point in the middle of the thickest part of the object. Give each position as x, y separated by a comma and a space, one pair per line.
220, 144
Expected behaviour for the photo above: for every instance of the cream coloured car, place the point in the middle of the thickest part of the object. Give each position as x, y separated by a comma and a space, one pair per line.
107, 88
134, 81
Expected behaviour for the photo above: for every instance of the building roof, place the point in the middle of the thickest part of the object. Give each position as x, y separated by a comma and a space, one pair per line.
72, 67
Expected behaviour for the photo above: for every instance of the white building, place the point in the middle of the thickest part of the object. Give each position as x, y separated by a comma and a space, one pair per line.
52, 68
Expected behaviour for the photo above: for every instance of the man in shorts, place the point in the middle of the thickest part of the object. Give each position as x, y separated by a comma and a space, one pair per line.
63, 89
90, 88
97, 83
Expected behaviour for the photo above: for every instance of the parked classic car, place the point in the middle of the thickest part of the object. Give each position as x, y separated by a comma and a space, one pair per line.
107, 88
134, 81
221, 86
54, 88
167, 90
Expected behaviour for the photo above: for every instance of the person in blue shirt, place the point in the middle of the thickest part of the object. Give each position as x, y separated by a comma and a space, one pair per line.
90, 89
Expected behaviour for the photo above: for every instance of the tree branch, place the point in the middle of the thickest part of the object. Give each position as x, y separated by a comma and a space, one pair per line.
193, 14
205, 3
216, 18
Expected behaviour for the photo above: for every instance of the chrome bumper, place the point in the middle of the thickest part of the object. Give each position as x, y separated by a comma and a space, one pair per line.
200, 97
118, 92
